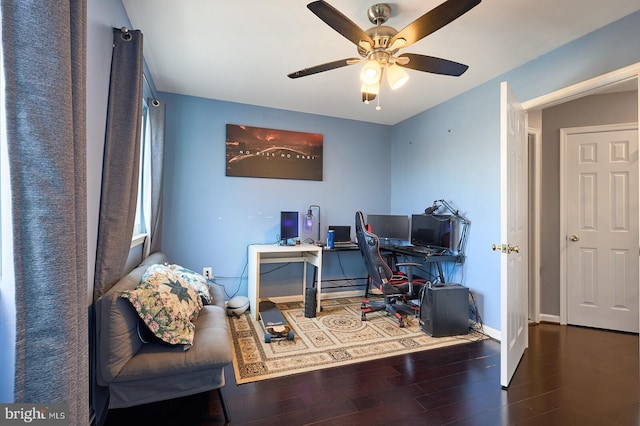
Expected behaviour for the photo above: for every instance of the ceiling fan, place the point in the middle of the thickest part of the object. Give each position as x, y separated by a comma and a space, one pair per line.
378, 46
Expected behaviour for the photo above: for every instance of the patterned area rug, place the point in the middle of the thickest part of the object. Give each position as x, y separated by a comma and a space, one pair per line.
336, 336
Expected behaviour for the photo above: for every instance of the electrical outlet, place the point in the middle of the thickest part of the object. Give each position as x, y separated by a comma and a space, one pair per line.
207, 273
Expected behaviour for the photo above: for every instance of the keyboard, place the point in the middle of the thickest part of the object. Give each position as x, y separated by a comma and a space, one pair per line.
343, 244
424, 250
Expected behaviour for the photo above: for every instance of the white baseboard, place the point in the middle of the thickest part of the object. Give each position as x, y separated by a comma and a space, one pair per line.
496, 335
550, 318
341, 294
325, 296
491, 332
285, 299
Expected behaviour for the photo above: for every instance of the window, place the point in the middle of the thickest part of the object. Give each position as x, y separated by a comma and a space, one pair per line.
143, 203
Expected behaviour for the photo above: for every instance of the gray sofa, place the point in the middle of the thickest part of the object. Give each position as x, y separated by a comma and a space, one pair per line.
139, 373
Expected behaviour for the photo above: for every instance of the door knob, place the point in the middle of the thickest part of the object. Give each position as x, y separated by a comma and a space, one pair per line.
574, 238
498, 247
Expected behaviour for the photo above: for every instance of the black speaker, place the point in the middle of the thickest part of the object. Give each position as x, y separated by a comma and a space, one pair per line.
444, 310
310, 302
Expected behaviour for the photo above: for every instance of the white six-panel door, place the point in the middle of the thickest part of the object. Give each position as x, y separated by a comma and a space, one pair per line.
601, 223
513, 233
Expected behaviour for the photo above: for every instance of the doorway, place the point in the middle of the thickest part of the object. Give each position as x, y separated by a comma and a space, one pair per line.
626, 76
534, 175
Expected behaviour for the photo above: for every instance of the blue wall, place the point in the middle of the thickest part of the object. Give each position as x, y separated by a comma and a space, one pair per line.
452, 151
209, 218
449, 152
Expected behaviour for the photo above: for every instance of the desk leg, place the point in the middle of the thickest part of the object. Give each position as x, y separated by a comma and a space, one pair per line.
318, 274
440, 273
305, 264
253, 285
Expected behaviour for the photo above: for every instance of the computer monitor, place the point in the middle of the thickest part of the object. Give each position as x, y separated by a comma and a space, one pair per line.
342, 233
288, 226
435, 230
389, 226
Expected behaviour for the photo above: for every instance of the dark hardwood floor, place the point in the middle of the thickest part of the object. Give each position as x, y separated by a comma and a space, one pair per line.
568, 376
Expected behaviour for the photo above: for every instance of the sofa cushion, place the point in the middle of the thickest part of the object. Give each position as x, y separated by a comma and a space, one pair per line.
211, 349
166, 304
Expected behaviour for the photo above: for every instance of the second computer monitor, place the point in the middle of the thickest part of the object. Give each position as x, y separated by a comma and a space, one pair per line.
389, 226
437, 231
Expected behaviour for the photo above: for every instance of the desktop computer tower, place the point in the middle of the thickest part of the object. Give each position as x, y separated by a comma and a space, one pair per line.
444, 310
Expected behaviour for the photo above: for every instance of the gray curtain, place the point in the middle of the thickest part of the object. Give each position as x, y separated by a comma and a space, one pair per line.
44, 46
157, 113
121, 161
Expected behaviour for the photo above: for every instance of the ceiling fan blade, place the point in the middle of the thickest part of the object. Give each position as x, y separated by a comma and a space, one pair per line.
336, 20
434, 65
434, 20
323, 67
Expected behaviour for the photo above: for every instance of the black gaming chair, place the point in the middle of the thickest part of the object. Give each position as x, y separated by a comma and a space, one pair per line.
398, 288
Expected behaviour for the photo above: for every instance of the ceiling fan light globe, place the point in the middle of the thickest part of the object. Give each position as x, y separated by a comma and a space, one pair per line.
396, 76
370, 73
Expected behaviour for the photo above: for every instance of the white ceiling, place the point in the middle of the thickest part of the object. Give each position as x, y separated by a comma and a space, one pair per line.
242, 50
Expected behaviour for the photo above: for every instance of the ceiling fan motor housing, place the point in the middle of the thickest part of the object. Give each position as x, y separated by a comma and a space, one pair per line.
381, 36
379, 13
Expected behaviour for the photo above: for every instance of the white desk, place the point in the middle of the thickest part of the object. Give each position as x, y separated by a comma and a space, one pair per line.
271, 253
